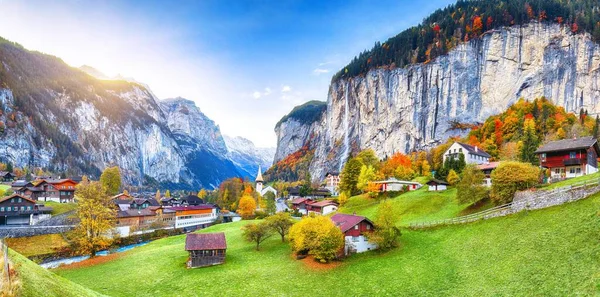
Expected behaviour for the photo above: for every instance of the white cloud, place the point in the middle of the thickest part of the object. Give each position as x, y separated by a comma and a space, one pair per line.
267, 92
286, 89
256, 94
320, 71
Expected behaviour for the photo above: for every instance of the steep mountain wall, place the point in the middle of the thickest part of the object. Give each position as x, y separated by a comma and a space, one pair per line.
400, 110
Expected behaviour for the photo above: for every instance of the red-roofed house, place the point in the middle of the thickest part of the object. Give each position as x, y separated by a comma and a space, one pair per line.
205, 249
354, 228
487, 170
322, 207
301, 204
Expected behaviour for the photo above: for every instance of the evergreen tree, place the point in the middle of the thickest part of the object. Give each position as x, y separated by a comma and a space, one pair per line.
349, 176
529, 143
595, 130
9, 167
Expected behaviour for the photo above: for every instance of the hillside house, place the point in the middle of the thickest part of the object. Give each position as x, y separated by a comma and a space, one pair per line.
6, 176
20, 210
332, 182
206, 249
195, 216
487, 171
355, 228
322, 207
57, 190
393, 184
191, 200
437, 185
301, 204
569, 158
472, 154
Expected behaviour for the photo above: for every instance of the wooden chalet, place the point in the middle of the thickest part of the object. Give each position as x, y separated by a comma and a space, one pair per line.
6, 176
206, 249
355, 228
437, 185
322, 207
57, 190
20, 210
569, 158
300, 204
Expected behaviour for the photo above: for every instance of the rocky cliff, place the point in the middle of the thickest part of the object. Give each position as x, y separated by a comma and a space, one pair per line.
247, 157
62, 119
398, 110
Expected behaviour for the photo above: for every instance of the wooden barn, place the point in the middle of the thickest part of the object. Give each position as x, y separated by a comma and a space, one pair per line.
206, 249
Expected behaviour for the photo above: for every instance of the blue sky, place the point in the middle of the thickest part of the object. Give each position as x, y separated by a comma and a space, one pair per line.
244, 63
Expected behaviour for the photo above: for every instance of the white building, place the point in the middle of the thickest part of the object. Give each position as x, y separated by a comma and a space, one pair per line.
259, 185
437, 185
473, 154
393, 184
354, 228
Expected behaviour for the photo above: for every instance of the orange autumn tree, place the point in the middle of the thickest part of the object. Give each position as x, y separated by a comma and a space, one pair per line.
388, 168
246, 207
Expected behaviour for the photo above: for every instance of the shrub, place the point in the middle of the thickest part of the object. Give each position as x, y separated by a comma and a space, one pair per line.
470, 188
511, 177
317, 236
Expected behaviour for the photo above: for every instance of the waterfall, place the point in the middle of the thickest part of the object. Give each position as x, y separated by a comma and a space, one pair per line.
344, 156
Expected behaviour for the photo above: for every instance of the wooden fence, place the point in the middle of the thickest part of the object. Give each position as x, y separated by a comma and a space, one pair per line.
578, 192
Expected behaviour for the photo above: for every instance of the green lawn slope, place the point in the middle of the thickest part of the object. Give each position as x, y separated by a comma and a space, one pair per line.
37, 281
550, 252
414, 206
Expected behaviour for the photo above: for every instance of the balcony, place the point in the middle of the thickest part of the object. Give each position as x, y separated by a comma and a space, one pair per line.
572, 161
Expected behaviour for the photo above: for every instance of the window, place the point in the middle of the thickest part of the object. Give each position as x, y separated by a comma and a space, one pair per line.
355, 238
571, 170
572, 155
8, 208
356, 227
18, 199
1, 208
557, 170
578, 171
460, 150
543, 157
22, 208
368, 227
28, 207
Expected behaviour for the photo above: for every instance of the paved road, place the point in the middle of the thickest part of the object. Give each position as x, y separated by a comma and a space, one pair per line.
280, 204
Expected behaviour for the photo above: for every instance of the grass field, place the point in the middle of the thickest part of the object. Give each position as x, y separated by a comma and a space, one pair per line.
550, 252
586, 178
37, 245
37, 281
415, 206
60, 208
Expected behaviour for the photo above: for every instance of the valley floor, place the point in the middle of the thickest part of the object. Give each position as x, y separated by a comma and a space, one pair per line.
550, 252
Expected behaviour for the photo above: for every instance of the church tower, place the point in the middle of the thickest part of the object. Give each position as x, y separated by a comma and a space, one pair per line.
259, 181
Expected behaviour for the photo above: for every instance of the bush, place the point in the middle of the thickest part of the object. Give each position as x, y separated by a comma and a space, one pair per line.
470, 188
511, 177
317, 236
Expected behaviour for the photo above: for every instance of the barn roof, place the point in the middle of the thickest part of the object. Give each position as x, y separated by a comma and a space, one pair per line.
474, 150
205, 241
568, 144
323, 203
17, 196
488, 166
437, 182
346, 222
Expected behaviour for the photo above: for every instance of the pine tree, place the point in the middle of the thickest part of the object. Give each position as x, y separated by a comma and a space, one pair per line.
529, 142
595, 130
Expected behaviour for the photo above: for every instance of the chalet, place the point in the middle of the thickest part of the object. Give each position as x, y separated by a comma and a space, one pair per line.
322, 207
6, 176
135, 218
437, 185
301, 204
18, 184
320, 193
143, 203
228, 217
487, 171
20, 210
206, 249
355, 228
191, 200
57, 190
393, 184
195, 216
122, 196
569, 157
472, 154
332, 182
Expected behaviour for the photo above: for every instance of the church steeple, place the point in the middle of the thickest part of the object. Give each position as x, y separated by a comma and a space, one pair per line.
259, 177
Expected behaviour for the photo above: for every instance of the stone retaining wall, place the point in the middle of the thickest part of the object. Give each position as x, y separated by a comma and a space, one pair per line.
542, 199
32, 230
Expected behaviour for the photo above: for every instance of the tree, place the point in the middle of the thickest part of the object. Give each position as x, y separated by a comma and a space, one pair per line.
510, 177
367, 175
271, 208
246, 207
157, 195
343, 198
349, 176
404, 173
595, 129
96, 218
257, 233
529, 142
9, 166
425, 168
202, 194
168, 194
369, 158
281, 223
386, 233
470, 188
111, 180
317, 236
453, 177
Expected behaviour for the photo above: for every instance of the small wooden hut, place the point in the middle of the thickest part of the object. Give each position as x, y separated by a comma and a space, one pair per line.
205, 249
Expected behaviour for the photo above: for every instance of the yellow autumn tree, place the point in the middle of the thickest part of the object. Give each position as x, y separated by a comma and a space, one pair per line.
317, 236
202, 194
343, 198
246, 206
453, 177
96, 218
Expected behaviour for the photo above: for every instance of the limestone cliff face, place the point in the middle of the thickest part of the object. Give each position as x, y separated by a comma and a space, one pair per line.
404, 109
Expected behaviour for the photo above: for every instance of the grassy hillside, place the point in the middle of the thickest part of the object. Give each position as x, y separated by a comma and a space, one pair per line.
550, 252
568, 182
37, 245
414, 206
60, 208
37, 281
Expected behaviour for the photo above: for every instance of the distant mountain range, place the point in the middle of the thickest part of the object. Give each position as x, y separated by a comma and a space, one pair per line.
75, 121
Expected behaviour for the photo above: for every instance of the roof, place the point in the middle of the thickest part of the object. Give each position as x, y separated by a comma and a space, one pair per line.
58, 181
19, 183
192, 207
396, 181
474, 150
17, 196
488, 166
299, 200
346, 222
120, 194
259, 177
139, 201
323, 203
191, 199
437, 181
332, 173
205, 241
568, 144
4, 173
135, 213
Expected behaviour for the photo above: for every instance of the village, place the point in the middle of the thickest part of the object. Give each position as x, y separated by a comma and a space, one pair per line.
138, 214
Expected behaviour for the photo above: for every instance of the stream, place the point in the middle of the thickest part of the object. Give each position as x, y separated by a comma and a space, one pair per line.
71, 260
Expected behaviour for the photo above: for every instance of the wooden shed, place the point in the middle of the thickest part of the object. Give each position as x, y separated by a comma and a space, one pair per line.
205, 249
